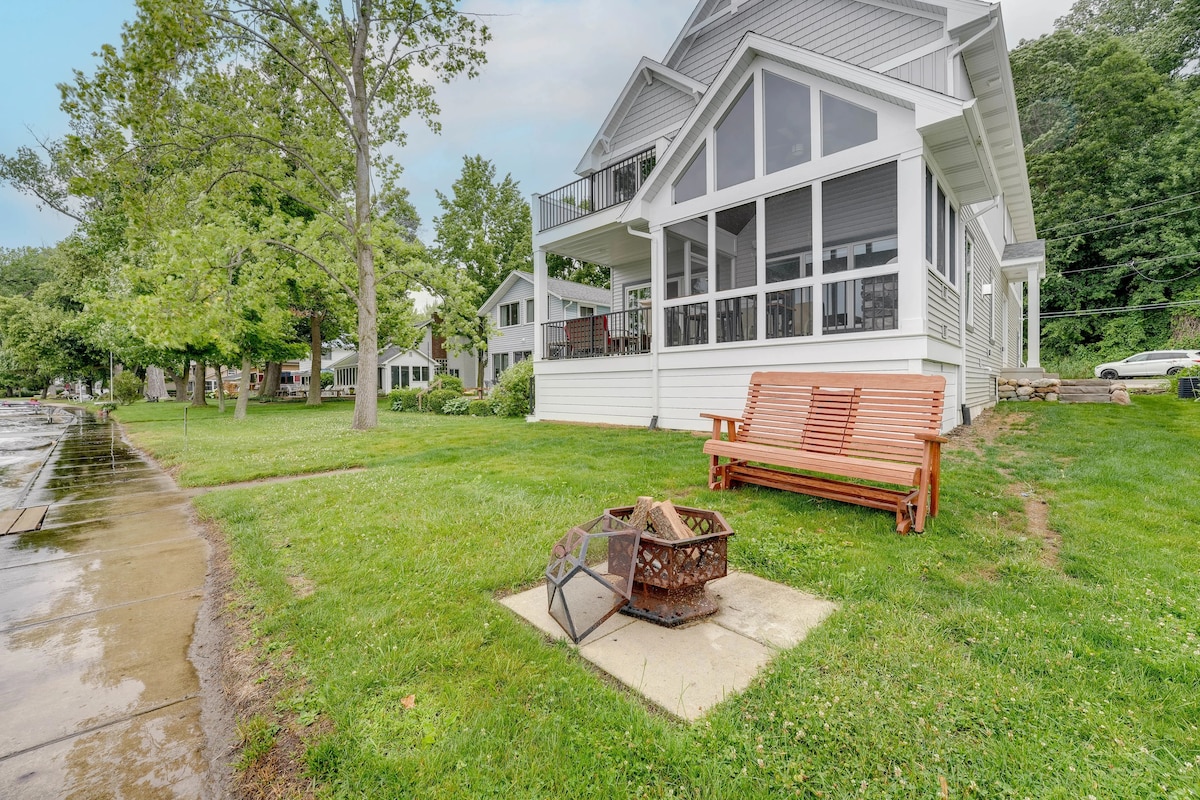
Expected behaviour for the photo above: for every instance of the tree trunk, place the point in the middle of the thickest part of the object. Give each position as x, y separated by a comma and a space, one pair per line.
314, 372
270, 385
243, 401
220, 389
198, 400
156, 388
180, 381
366, 403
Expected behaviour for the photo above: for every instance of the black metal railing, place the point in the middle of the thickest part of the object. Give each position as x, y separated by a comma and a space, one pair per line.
622, 333
615, 184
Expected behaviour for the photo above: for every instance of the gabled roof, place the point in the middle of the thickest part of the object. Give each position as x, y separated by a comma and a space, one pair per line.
564, 290
930, 107
385, 355
646, 71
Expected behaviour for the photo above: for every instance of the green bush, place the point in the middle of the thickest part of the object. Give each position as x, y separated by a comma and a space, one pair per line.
127, 388
1186, 372
511, 395
456, 406
435, 400
480, 408
326, 380
447, 382
405, 399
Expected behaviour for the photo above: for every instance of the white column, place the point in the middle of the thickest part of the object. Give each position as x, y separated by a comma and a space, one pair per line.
1034, 315
541, 307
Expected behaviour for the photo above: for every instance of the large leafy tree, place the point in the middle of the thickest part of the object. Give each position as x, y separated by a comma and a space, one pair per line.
296, 98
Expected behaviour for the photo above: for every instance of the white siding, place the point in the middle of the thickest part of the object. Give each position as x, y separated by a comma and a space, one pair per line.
625, 275
658, 106
514, 338
855, 32
576, 391
928, 71
985, 346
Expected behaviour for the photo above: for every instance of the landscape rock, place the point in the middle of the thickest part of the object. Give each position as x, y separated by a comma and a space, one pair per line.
1120, 397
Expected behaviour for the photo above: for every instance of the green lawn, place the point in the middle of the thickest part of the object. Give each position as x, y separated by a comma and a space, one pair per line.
976, 652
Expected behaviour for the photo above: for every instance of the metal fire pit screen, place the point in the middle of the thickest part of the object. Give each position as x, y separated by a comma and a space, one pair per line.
668, 583
590, 574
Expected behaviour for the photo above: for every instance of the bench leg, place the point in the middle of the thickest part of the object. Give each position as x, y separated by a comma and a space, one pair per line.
716, 474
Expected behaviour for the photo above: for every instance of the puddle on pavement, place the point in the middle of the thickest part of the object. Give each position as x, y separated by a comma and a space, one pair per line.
97, 614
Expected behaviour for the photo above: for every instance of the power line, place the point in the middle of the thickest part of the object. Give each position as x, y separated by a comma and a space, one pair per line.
1124, 224
1123, 211
1130, 263
1087, 312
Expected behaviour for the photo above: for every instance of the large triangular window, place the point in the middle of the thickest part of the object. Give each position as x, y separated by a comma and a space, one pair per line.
693, 182
788, 120
733, 142
845, 125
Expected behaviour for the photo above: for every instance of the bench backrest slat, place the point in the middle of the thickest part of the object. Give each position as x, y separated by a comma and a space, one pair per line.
844, 413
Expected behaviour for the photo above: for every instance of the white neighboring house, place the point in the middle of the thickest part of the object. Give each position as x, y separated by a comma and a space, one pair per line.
511, 310
802, 185
459, 361
399, 368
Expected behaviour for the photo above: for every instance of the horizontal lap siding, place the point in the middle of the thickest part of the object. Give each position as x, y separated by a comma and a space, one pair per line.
658, 106
943, 320
572, 393
850, 31
626, 275
985, 354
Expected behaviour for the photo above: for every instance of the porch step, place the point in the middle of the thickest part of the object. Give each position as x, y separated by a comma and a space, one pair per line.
1091, 390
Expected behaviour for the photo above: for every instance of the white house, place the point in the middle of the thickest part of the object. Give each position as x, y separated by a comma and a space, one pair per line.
399, 368
511, 311
804, 185
458, 360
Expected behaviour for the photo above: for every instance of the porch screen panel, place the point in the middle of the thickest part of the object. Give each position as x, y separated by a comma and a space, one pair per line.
737, 319
858, 212
686, 324
863, 304
737, 230
687, 258
789, 313
789, 235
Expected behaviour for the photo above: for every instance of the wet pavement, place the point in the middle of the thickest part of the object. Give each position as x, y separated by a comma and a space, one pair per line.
99, 696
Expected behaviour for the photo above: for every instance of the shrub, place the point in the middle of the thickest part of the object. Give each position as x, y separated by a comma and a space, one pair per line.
326, 380
1186, 372
456, 406
127, 388
511, 395
404, 399
435, 400
447, 382
480, 408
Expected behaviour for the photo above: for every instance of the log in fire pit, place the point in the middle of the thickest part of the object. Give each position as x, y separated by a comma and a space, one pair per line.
680, 550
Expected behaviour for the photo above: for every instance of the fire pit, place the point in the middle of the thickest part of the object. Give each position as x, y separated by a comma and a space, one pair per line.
669, 577
590, 574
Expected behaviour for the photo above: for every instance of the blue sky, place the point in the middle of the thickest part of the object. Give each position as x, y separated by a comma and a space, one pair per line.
554, 70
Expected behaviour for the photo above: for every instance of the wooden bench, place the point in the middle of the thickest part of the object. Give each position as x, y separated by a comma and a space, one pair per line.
873, 428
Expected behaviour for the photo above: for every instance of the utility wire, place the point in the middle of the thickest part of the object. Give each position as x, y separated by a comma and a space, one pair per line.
1087, 312
1129, 263
1124, 224
1123, 211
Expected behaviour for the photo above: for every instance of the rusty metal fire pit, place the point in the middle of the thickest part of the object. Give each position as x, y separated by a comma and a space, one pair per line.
669, 577
590, 574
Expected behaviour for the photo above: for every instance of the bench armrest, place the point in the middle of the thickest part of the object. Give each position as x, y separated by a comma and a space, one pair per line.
932, 437
732, 422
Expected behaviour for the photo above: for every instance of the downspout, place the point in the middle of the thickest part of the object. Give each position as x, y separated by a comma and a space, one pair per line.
958, 51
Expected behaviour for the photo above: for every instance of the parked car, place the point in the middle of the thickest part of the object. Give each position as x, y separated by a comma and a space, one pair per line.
1149, 364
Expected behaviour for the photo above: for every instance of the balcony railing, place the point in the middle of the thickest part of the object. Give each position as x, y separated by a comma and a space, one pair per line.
613, 185
622, 333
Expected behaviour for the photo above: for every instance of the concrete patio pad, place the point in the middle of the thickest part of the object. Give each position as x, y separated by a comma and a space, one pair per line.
688, 670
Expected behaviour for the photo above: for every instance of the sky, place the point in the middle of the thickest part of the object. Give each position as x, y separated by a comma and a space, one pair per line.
555, 68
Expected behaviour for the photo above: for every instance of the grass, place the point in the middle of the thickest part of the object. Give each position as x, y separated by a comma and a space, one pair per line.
1008, 661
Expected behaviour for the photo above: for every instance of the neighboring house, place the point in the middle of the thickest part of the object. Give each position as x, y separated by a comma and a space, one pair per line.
799, 184
511, 312
459, 361
398, 368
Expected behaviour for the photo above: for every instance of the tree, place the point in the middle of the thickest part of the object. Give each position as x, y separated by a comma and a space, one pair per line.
295, 97
568, 269
23, 270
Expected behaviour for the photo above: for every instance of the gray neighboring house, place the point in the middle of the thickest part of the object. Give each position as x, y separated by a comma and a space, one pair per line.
511, 311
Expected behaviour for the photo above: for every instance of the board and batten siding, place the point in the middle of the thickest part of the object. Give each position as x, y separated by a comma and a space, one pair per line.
658, 106
928, 71
942, 319
858, 33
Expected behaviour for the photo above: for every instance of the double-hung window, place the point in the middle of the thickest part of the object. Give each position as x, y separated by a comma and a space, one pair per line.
941, 230
510, 314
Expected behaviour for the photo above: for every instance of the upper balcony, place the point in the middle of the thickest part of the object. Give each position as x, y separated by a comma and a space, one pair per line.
611, 186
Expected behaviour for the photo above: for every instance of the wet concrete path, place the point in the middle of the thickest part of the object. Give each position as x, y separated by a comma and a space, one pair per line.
98, 694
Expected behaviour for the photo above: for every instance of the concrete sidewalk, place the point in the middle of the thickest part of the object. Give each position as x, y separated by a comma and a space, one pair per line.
97, 615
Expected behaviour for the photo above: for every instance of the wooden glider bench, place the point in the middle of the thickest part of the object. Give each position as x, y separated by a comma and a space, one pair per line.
857, 427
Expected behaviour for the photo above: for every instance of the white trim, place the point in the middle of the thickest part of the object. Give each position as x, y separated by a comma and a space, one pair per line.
732, 9
916, 12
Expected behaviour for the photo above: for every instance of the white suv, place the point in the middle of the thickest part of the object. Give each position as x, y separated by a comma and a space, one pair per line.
1149, 364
